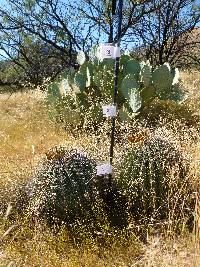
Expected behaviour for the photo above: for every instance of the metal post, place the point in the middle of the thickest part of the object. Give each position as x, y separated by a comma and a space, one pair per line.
117, 61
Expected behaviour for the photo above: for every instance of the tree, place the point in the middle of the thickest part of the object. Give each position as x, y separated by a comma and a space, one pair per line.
99, 15
167, 34
72, 26
63, 28
31, 61
33, 41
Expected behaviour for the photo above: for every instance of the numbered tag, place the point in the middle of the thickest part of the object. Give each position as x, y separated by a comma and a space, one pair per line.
116, 52
109, 111
104, 169
108, 51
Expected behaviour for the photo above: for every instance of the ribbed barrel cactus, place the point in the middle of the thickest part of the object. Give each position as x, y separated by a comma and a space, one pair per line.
93, 85
154, 177
63, 189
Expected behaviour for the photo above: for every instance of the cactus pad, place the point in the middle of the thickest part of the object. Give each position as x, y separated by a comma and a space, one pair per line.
135, 100
133, 67
64, 87
80, 80
176, 76
162, 80
129, 83
145, 74
177, 94
80, 57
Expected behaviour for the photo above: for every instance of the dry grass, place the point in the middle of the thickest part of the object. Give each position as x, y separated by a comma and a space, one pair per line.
39, 247
192, 86
47, 250
26, 133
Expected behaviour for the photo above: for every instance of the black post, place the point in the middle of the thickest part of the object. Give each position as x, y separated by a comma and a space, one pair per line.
114, 4
117, 61
115, 202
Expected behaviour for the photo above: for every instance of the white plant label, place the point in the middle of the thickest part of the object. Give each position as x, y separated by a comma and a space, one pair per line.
107, 51
109, 111
104, 169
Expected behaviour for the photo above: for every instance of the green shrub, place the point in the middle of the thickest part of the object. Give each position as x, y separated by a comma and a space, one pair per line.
168, 111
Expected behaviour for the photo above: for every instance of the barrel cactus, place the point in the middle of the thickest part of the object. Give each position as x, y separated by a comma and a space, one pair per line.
154, 177
63, 190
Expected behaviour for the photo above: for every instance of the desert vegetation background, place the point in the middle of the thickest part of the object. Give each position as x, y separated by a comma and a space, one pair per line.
54, 211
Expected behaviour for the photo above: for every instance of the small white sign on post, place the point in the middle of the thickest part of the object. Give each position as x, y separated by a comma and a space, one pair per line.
104, 169
109, 111
109, 51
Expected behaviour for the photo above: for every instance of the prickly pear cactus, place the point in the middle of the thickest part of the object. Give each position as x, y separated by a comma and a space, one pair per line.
80, 80
138, 85
81, 58
145, 73
53, 93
